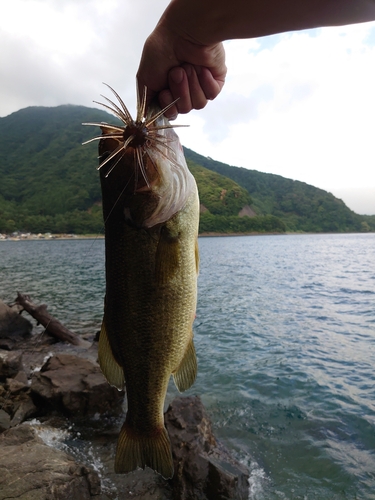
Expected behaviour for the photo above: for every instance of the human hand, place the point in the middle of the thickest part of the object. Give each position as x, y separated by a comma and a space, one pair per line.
173, 67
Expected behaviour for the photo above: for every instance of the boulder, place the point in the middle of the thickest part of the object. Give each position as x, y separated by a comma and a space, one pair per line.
13, 326
10, 364
23, 408
4, 420
74, 386
204, 469
29, 469
15, 403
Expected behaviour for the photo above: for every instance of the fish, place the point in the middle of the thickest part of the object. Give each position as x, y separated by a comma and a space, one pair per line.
151, 216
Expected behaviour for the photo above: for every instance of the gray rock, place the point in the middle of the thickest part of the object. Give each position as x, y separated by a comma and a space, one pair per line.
4, 421
31, 470
10, 364
16, 402
15, 386
23, 410
12, 324
74, 386
204, 469
22, 377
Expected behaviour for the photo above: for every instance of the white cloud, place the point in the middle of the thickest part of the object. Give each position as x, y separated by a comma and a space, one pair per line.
358, 199
60, 52
314, 122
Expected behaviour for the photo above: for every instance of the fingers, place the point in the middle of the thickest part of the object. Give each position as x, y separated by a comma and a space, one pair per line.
165, 98
192, 85
211, 86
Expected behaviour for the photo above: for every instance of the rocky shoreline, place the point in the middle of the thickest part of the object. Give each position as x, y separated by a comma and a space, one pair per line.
59, 422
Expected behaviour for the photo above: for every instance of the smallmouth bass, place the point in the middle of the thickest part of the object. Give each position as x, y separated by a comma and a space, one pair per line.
151, 216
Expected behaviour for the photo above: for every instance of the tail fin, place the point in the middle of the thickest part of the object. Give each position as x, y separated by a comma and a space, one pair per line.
134, 450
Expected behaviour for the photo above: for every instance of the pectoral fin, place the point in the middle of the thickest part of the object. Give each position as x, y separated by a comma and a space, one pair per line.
112, 371
186, 373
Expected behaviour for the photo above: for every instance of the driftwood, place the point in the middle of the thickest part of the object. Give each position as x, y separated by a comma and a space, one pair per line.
51, 324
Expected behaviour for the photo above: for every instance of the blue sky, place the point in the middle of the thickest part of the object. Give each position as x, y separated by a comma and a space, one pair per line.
299, 104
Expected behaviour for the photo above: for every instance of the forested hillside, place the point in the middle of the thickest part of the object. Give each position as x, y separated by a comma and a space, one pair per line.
300, 206
49, 180
49, 183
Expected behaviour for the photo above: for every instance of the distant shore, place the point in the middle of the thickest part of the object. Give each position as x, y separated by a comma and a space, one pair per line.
209, 235
50, 236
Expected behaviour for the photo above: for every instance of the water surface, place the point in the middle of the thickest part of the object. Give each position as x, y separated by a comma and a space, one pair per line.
285, 335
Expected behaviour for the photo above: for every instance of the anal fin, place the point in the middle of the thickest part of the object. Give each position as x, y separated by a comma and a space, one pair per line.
112, 371
134, 451
185, 375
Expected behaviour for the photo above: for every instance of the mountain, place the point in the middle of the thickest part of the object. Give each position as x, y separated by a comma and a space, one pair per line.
47, 177
49, 183
300, 206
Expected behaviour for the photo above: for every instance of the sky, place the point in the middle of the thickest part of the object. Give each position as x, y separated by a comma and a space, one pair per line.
299, 104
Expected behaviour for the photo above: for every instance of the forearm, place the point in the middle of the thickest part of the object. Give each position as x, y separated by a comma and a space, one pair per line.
184, 57
208, 22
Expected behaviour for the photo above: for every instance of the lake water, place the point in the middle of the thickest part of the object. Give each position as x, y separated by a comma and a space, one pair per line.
285, 336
